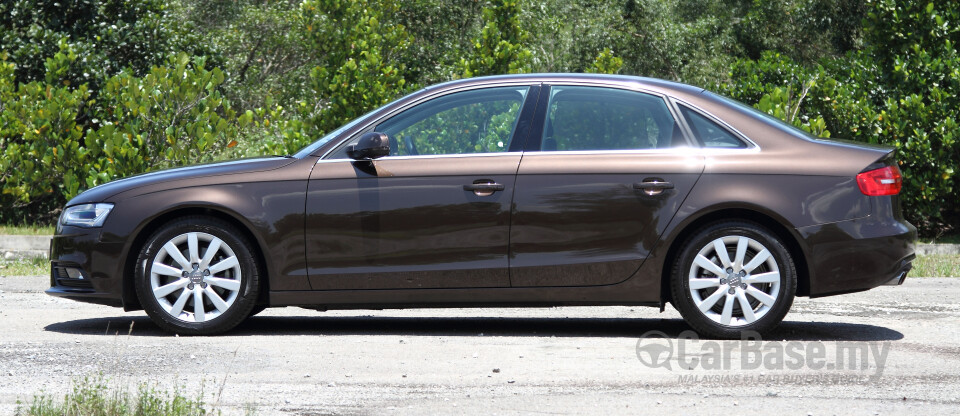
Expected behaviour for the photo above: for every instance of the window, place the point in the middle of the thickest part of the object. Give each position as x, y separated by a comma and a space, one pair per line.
476, 121
710, 134
593, 118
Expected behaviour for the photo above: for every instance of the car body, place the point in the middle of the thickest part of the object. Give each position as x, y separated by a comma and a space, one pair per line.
521, 190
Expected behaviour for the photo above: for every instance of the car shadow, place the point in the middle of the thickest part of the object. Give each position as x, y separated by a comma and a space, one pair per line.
472, 326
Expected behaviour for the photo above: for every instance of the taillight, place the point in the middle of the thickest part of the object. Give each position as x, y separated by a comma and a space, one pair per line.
880, 182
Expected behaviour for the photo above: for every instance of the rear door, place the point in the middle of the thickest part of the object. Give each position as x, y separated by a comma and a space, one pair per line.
598, 184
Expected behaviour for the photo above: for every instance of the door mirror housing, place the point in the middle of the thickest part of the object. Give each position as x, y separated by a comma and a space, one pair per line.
370, 146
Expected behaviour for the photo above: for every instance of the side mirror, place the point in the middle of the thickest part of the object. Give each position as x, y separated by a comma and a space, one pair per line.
370, 146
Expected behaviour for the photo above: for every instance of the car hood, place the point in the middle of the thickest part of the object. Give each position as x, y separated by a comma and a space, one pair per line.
179, 177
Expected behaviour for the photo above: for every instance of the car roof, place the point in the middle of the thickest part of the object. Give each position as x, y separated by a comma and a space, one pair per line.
550, 78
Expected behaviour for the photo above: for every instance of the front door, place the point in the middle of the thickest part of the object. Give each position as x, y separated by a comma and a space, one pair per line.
435, 213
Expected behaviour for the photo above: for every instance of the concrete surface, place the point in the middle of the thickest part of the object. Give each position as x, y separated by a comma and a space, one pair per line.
21, 246
578, 360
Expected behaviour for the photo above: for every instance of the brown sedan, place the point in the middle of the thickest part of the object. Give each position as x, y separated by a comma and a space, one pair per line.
527, 190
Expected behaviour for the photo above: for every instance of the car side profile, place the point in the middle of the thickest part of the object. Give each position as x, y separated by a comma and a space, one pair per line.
521, 190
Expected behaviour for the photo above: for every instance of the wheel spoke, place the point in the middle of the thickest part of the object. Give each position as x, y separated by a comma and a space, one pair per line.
215, 299
745, 307
211, 251
177, 307
229, 284
742, 243
711, 300
198, 312
757, 260
721, 248
703, 283
193, 248
759, 295
170, 288
224, 264
160, 268
709, 266
727, 309
176, 255
769, 277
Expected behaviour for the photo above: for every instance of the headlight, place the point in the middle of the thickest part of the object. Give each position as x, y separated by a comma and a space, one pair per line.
86, 215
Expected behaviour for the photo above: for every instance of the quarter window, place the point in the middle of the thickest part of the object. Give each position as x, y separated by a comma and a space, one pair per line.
710, 134
595, 118
476, 121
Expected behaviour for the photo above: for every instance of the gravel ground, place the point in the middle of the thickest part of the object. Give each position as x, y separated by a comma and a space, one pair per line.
577, 360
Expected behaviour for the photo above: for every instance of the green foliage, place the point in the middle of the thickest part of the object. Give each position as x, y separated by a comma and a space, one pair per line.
93, 90
606, 63
95, 397
355, 45
30, 266
108, 35
902, 89
173, 116
265, 58
39, 139
500, 47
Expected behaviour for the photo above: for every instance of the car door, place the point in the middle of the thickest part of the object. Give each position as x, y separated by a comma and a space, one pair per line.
609, 169
435, 213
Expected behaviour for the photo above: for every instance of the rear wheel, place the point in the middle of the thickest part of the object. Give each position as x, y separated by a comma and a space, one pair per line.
733, 276
197, 276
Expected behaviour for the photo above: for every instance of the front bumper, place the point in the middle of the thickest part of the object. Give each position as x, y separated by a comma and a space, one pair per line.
85, 269
855, 255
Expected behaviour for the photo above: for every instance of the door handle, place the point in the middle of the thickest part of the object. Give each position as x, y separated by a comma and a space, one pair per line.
484, 187
653, 186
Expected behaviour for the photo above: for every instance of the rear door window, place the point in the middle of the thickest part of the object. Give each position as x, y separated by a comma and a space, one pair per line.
598, 118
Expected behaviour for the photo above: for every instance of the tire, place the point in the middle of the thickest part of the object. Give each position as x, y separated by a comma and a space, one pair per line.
722, 297
256, 310
176, 269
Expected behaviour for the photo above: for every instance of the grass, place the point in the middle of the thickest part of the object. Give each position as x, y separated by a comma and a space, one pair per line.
943, 239
36, 266
936, 265
27, 229
94, 396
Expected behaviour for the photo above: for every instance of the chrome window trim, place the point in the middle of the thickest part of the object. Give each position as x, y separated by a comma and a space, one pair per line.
407, 157
675, 151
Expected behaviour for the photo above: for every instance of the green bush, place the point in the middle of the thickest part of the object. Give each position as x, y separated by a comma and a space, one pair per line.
173, 116
40, 152
902, 90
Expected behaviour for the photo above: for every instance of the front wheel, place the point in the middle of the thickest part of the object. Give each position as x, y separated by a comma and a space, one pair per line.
197, 276
733, 276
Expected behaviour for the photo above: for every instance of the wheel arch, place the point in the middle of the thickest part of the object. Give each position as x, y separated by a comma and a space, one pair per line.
132, 302
768, 220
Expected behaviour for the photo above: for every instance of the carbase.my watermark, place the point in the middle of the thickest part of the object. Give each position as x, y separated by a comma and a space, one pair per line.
688, 352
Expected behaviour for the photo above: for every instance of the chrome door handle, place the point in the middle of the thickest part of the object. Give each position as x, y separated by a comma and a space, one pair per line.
653, 186
483, 187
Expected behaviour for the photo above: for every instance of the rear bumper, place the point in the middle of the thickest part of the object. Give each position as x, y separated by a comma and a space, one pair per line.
855, 255
85, 269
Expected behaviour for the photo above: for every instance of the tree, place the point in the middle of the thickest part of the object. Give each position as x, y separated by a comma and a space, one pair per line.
500, 47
